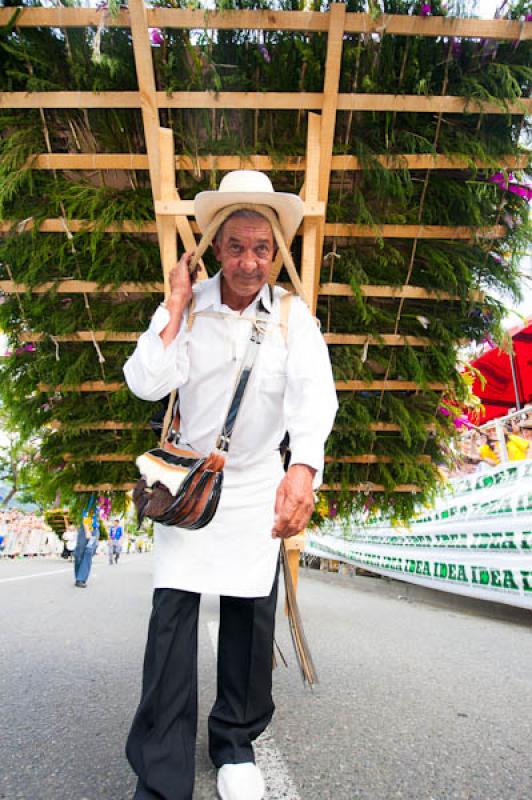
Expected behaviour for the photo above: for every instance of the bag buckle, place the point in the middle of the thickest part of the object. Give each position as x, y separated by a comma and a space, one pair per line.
173, 436
223, 443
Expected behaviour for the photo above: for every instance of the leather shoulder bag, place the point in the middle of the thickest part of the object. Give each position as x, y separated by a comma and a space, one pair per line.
178, 485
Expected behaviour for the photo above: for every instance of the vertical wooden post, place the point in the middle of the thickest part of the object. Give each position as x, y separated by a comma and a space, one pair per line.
331, 85
150, 119
311, 225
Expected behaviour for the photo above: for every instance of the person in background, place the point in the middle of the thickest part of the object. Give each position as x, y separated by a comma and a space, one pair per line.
488, 449
115, 542
516, 446
86, 544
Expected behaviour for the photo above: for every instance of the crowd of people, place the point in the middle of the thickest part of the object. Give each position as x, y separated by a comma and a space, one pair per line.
26, 535
496, 443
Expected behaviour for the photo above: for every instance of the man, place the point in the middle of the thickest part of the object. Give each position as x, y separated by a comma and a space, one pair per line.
115, 542
237, 555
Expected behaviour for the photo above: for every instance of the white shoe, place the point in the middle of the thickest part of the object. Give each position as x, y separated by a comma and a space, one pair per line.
240, 782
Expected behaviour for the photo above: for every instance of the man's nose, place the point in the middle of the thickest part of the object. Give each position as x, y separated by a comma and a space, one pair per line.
248, 260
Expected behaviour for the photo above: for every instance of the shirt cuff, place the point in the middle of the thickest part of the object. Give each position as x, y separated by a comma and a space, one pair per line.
306, 452
150, 345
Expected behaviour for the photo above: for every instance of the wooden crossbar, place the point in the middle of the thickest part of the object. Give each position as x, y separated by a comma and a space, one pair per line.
410, 161
325, 290
390, 340
83, 336
341, 386
332, 230
100, 457
370, 487
370, 458
247, 19
102, 425
334, 487
310, 101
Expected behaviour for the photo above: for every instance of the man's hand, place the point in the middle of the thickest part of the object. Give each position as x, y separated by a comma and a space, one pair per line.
181, 283
294, 502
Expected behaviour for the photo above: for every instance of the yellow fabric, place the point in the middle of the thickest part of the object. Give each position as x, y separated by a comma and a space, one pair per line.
516, 447
485, 451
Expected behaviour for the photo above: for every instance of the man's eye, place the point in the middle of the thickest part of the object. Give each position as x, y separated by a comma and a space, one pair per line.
234, 248
263, 250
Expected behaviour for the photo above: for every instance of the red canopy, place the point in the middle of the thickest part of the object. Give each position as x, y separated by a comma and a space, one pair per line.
499, 394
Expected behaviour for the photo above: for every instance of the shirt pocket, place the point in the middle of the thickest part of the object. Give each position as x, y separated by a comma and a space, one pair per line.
272, 368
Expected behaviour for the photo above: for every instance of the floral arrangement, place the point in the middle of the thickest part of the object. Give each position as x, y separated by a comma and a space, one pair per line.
45, 59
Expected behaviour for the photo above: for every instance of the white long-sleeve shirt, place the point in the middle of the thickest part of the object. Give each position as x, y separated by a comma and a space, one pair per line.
291, 389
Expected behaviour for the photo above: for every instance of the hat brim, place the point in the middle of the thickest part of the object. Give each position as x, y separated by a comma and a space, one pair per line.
289, 207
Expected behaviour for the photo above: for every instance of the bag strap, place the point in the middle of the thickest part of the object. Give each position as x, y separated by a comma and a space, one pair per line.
257, 335
171, 432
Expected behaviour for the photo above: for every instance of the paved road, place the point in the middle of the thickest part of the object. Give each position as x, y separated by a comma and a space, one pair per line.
415, 702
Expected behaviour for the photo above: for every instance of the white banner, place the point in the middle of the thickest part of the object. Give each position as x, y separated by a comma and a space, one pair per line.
476, 540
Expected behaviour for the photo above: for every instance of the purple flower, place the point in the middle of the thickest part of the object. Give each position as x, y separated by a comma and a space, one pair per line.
264, 53
333, 509
426, 10
444, 411
156, 37
528, 18
29, 348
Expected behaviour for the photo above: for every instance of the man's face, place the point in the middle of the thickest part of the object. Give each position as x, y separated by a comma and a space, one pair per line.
246, 252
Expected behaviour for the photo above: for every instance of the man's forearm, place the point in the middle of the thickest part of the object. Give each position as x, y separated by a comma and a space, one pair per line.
176, 308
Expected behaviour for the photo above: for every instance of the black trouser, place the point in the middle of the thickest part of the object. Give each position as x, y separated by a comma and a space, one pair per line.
162, 740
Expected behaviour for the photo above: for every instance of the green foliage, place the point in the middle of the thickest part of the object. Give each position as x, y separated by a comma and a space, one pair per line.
41, 59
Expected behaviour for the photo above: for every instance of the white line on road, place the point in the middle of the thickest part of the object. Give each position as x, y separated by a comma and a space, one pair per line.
279, 784
34, 575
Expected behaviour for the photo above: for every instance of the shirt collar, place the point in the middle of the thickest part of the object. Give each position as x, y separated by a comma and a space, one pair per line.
209, 294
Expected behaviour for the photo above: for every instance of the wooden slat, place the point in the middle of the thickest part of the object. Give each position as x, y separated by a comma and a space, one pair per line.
387, 386
311, 101
331, 85
89, 161
311, 227
342, 386
269, 19
104, 425
83, 336
81, 287
419, 104
413, 231
57, 225
326, 289
87, 386
100, 457
370, 487
104, 487
370, 458
409, 292
335, 230
388, 339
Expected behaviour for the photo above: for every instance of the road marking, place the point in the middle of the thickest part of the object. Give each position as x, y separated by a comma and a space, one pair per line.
34, 575
279, 784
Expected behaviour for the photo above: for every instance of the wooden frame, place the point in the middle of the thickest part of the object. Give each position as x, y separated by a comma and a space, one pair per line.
172, 214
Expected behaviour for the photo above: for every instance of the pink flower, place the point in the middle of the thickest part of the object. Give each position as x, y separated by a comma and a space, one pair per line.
426, 10
444, 411
462, 422
156, 37
8, 353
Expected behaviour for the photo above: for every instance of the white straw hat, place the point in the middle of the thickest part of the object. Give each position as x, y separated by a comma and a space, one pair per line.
250, 186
